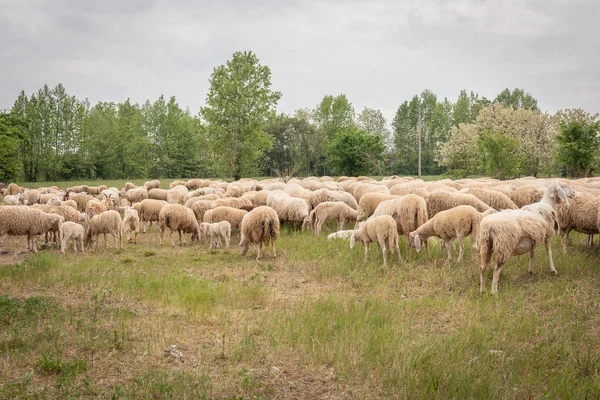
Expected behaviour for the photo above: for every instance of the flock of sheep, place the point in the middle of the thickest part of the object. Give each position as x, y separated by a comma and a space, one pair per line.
504, 218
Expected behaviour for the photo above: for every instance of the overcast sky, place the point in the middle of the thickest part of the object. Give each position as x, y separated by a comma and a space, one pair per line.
378, 52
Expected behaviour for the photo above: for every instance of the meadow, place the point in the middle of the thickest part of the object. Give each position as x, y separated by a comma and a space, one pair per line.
313, 323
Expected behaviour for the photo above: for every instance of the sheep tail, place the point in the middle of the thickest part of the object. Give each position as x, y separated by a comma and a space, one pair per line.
486, 244
272, 232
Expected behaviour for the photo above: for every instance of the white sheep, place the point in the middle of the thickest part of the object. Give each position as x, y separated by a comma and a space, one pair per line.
13, 199
217, 231
259, 226
330, 210
27, 221
74, 231
108, 222
515, 232
131, 223
340, 235
178, 218
381, 230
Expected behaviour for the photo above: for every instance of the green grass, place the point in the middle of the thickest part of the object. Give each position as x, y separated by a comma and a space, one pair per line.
315, 322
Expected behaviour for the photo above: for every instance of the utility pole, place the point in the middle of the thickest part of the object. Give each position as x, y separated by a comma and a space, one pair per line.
420, 133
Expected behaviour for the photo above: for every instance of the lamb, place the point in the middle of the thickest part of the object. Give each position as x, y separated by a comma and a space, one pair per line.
232, 215
441, 201
137, 195
369, 202
330, 210
291, 209
340, 235
158, 194
108, 222
259, 226
178, 218
28, 221
155, 184
580, 215
409, 212
217, 231
131, 223
515, 232
382, 230
74, 231
493, 198
13, 199
149, 211
451, 225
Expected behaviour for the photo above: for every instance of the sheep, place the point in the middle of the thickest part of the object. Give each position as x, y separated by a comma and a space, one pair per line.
108, 222
526, 195
176, 194
74, 231
95, 207
210, 197
259, 226
493, 198
362, 189
13, 188
69, 203
217, 231
441, 201
382, 230
78, 189
69, 213
177, 183
13, 199
291, 209
401, 190
580, 215
28, 221
178, 218
232, 215
320, 196
234, 202
95, 190
158, 194
409, 212
451, 225
129, 185
200, 207
81, 199
197, 183
515, 232
112, 194
330, 210
369, 202
149, 211
340, 235
155, 184
136, 195
131, 223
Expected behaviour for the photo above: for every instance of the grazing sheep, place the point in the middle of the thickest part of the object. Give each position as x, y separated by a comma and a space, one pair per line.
108, 222
149, 211
200, 207
176, 195
579, 215
291, 209
493, 198
68, 213
95, 190
131, 223
81, 199
178, 218
217, 231
441, 201
158, 194
155, 184
259, 226
340, 235
330, 210
515, 232
30, 196
13, 188
381, 230
210, 197
137, 195
232, 215
13, 199
409, 212
451, 225
28, 221
74, 231
369, 202
320, 196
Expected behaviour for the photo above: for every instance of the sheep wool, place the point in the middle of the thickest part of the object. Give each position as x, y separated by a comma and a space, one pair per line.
259, 227
178, 218
381, 230
108, 222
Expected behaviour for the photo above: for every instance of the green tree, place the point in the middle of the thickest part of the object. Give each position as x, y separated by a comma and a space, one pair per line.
499, 153
518, 98
334, 114
353, 152
467, 107
374, 123
10, 137
460, 154
238, 105
578, 147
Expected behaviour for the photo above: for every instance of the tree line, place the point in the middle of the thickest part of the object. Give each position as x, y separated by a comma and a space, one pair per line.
51, 135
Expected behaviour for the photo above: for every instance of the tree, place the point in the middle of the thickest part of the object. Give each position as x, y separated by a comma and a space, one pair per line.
460, 154
353, 152
500, 158
10, 137
238, 104
518, 98
374, 123
467, 107
578, 147
334, 114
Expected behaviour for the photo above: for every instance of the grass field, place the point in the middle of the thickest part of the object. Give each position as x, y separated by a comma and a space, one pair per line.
313, 323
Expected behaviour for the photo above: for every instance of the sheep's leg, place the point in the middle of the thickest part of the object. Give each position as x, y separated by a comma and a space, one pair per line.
549, 251
461, 245
366, 251
117, 241
135, 237
227, 239
63, 243
384, 253
180, 242
341, 223
274, 251
258, 248
482, 269
171, 238
34, 244
564, 237
449, 246
81, 245
531, 257
398, 250
212, 241
144, 223
105, 244
427, 248
497, 270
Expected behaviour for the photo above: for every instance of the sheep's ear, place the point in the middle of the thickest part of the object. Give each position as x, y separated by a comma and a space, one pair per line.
352, 240
562, 195
417, 242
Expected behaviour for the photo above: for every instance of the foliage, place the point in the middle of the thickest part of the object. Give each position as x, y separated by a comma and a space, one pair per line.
460, 154
499, 154
238, 104
516, 99
374, 123
578, 147
334, 114
353, 152
10, 138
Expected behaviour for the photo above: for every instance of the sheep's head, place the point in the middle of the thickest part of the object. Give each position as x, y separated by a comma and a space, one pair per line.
356, 235
415, 241
558, 192
244, 245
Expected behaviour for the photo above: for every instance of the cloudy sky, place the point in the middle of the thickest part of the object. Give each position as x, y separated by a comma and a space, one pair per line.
378, 52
